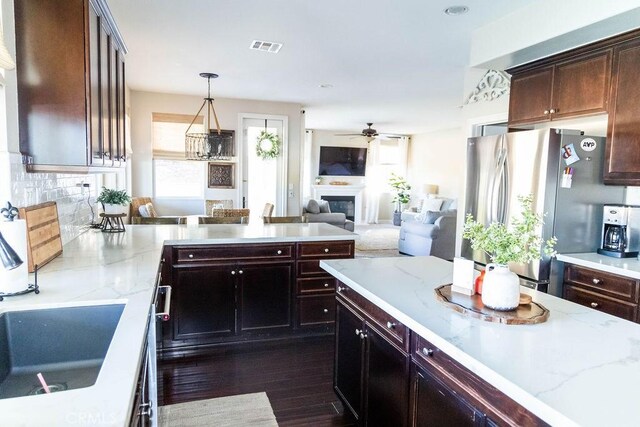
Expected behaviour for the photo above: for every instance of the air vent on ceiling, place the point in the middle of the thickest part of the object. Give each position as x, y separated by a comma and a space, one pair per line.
271, 47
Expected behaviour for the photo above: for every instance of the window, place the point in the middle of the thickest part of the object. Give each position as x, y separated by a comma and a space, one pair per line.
173, 175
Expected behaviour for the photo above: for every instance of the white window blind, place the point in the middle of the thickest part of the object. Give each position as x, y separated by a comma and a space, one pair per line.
168, 134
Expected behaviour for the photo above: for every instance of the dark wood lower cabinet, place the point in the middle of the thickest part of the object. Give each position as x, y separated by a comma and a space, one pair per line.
371, 373
265, 296
435, 404
203, 303
387, 375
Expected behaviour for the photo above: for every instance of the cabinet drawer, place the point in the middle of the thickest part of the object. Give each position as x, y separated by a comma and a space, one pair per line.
185, 254
313, 310
316, 285
608, 305
385, 323
603, 283
326, 250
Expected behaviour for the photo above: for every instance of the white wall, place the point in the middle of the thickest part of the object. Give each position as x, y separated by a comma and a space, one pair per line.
546, 27
144, 104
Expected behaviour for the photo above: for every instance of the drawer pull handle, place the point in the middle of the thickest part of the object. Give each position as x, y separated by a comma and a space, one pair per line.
358, 332
342, 289
279, 252
326, 285
427, 352
594, 304
325, 310
240, 271
553, 110
546, 112
233, 273
326, 250
190, 255
363, 335
595, 281
391, 325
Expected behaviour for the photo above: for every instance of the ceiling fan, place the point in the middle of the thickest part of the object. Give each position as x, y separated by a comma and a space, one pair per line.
370, 134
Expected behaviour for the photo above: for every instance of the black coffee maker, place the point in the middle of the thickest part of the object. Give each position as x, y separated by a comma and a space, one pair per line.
620, 228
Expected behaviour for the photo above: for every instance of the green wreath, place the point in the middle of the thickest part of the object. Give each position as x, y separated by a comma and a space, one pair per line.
268, 145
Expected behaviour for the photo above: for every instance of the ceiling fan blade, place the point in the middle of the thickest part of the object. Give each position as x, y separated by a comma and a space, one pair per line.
348, 134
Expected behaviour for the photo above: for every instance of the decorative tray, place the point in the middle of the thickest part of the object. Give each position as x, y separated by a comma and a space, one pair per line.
526, 314
338, 183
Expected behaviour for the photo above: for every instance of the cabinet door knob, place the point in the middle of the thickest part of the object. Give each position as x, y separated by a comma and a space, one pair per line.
326, 310
553, 110
427, 352
391, 325
279, 252
233, 273
190, 255
240, 272
546, 112
595, 281
342, 289
358, 331
326, 250
326, 285
363, 335
594, 304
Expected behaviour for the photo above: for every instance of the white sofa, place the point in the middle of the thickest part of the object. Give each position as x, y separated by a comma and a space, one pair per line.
430, 232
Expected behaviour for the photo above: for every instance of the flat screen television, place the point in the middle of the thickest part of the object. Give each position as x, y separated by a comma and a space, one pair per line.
342, 161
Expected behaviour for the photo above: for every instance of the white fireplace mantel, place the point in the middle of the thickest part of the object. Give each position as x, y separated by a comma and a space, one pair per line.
342, 190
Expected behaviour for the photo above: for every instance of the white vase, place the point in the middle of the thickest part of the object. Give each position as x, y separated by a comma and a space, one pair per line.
500, 288
114, 209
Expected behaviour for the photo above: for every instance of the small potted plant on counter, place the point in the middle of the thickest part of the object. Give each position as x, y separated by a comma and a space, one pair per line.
519, 243
114, 201
401, 197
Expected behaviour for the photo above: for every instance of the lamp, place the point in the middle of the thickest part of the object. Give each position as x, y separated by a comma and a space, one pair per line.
430, 190
212, 144
10, 259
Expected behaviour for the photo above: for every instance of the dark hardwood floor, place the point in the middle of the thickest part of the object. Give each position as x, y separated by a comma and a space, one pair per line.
295, 374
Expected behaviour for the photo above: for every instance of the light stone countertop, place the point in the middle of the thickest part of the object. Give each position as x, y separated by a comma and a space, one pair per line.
629, 267
581, 367
99, 268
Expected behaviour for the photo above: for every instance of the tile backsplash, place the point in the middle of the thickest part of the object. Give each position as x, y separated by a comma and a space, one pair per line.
66, 190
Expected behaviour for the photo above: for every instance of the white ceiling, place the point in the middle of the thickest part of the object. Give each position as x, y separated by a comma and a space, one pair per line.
399, 64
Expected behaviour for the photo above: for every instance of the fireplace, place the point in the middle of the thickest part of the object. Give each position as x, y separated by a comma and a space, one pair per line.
343, 198
344, 204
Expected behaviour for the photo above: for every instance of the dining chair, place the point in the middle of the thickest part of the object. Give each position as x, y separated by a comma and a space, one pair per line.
158, 220
231, 213
222, 220
284, 219
268, 210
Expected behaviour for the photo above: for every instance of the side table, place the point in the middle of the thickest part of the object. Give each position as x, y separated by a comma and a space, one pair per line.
112, 223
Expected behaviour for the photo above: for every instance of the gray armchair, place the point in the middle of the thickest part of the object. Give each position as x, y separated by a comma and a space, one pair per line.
318, 211
430, 233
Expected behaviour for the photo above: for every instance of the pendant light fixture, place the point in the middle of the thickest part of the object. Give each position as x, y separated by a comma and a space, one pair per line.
213, 143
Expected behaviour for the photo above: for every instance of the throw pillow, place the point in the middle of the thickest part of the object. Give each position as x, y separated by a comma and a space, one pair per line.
431, 205
144, 212
151, 210
430, 217
324, 206
313, 207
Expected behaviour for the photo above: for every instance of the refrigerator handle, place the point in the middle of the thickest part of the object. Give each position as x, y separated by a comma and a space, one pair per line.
504, 189
494, 198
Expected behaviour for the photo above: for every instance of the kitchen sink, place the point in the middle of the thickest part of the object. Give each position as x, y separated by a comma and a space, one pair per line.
67, 345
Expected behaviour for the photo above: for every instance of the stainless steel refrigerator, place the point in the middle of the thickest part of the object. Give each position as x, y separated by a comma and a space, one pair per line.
503, 167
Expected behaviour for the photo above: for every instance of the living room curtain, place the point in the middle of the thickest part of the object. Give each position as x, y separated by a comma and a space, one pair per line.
375, 183
385, 157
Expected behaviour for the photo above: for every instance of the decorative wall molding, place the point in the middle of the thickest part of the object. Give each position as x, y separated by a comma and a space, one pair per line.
491, 86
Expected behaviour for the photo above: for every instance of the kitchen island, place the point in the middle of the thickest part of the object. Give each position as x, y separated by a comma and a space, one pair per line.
121, 268
581, 367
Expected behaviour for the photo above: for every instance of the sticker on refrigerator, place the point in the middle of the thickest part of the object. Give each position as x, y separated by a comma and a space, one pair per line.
569, 154
588, 144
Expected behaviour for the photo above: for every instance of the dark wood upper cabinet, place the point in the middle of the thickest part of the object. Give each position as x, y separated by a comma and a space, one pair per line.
70, 76
569, 88
622, 153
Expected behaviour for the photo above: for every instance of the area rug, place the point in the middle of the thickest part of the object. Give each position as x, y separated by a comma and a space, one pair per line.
377, 237
243, 410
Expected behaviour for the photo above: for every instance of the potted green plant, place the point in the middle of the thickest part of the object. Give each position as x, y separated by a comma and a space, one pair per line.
114, 201
519, 243
402, 196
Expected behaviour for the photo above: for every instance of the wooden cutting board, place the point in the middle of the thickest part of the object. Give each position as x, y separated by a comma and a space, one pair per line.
43, 233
